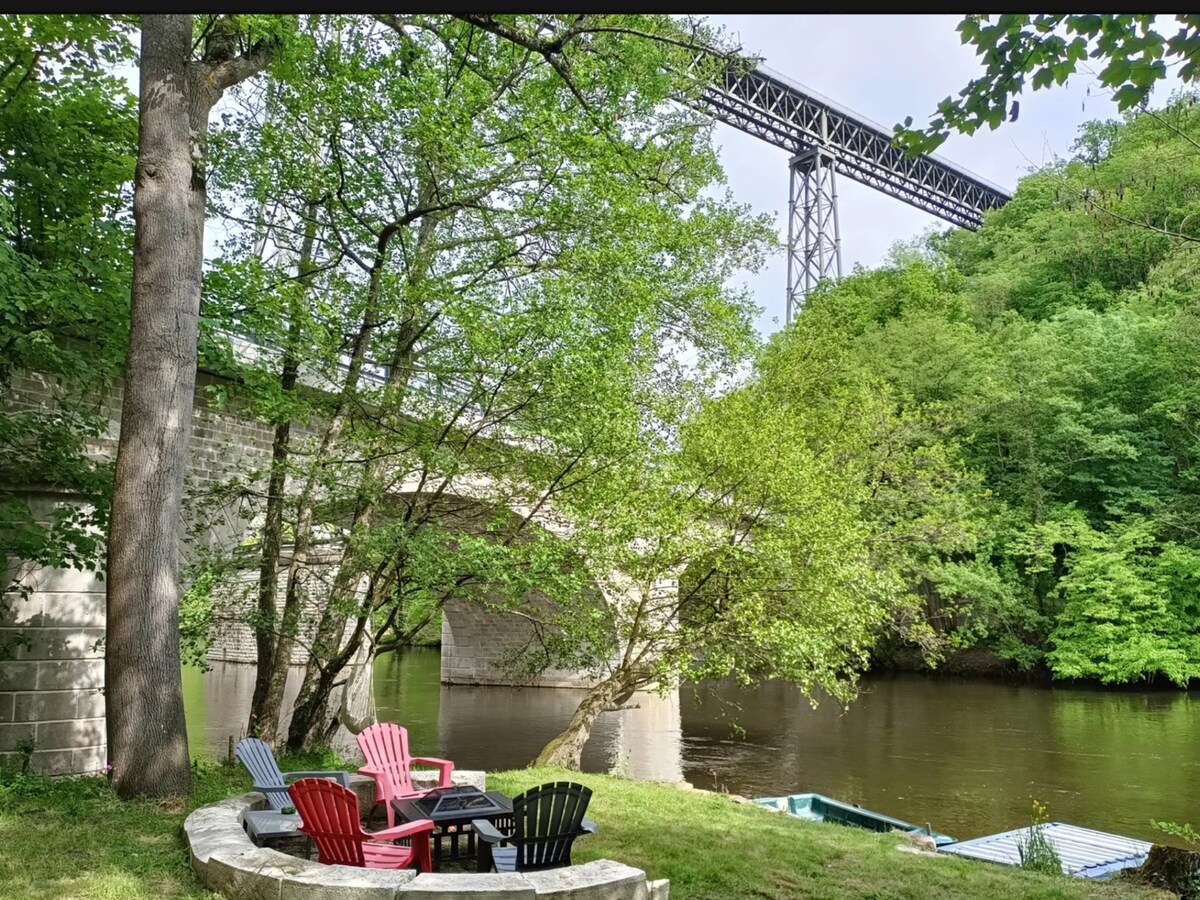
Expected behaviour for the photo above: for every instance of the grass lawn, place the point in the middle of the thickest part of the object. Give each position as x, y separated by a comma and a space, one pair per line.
714, 849
70, 838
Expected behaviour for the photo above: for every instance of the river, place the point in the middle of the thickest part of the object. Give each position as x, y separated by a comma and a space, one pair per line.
966, 756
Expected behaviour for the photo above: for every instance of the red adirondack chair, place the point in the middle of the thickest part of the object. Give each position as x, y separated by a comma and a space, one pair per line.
385, 745
329, 815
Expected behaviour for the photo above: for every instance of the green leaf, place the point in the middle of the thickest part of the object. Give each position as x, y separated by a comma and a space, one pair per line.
1116, 72
1128, 96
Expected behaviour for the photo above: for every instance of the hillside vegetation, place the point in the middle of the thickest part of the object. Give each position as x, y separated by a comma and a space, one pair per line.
1044, 381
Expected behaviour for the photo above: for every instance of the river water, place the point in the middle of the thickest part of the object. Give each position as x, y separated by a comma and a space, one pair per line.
966, 756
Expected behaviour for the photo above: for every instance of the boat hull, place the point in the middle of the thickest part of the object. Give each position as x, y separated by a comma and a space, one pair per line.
819, 808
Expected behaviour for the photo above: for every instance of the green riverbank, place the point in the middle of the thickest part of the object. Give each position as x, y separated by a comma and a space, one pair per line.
73, 839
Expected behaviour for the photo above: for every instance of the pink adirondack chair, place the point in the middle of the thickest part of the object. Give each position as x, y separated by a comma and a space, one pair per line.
385, 745
329, 815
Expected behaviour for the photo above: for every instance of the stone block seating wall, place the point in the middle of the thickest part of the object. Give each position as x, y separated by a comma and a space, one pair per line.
226, 861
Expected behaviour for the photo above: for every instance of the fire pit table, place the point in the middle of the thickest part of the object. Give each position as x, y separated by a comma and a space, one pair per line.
452, 809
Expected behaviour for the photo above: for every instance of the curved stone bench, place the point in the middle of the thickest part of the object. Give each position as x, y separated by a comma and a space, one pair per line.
226, 861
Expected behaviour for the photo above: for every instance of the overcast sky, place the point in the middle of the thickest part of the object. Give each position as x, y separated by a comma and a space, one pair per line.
886, 68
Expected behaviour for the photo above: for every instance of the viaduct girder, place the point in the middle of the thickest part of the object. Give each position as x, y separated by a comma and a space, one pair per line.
824, 139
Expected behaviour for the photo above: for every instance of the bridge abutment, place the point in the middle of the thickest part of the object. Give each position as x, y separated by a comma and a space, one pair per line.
475, 643
52, 665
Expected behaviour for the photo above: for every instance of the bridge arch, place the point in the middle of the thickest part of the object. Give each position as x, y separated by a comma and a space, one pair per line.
485, 640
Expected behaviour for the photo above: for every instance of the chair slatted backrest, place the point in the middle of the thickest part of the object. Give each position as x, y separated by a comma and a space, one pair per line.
329, 815
256, 756
547, 820
385, 746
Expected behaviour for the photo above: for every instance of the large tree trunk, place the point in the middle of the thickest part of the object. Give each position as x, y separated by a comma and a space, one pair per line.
306, 504
315, 706
147, 735
263, 716
566, 749
305, 519
356, 707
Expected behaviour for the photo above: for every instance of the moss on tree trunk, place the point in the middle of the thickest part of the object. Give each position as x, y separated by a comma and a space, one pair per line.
567, 748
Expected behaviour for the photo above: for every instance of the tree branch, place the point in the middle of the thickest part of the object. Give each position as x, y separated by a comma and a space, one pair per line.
227, 73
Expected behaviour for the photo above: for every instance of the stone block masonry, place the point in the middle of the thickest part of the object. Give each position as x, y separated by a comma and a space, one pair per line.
52, 673
474, 641
234, 641
52, 620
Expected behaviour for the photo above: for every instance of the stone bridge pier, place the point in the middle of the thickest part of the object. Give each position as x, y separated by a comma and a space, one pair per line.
52, 668
475, 642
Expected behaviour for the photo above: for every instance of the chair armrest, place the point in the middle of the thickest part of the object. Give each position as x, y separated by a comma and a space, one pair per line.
488, 832
444, 766
589, 826
383, 782
342, 778
408, 829
433, 761
270, 791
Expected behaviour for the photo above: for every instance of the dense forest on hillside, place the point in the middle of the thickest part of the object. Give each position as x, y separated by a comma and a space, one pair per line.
1047, 367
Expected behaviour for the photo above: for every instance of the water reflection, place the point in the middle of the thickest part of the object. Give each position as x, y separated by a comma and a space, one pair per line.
489, 728
966, 756
505, 727
969, 756
217, 705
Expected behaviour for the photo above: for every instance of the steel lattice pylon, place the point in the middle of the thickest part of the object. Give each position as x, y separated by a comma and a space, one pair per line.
814, 248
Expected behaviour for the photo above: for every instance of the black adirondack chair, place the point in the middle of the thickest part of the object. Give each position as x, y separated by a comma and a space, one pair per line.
545, 822
262, 825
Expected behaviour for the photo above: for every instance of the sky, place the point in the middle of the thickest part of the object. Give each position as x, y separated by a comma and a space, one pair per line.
887, 68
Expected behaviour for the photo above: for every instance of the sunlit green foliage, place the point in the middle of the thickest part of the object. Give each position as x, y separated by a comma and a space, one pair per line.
759, 513
1132, 52
520, 249
67, 134
1055, 353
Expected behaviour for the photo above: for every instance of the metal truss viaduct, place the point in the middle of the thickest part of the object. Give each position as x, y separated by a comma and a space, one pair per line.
825, 140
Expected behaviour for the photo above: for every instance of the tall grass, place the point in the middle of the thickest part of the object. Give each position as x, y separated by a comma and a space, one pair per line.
1036, 851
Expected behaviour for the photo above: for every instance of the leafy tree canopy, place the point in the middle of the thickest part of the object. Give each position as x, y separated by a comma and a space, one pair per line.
1132, 51
1053, 355
68, 127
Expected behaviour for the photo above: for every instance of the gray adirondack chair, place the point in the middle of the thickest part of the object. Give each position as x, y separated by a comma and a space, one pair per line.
545, 822
264, 824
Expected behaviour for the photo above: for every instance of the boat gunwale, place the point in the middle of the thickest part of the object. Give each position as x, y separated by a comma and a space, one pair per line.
939, 838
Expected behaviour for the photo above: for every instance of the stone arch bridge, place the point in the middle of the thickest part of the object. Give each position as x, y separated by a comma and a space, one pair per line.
51, 656
52, 620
